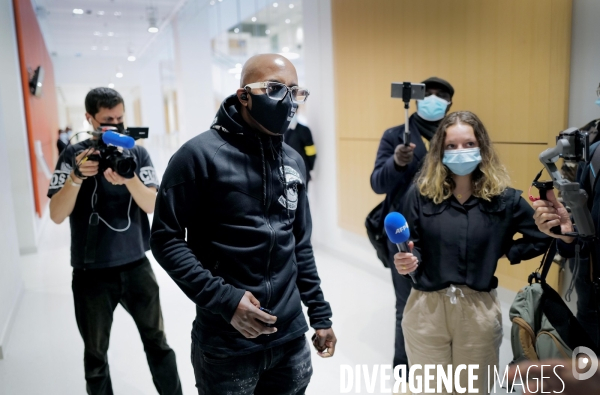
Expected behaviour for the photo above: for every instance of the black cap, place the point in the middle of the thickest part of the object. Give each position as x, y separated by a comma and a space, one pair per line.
433, 82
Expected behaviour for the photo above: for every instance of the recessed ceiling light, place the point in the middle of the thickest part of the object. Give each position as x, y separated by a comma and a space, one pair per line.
118, 13
105, 48
77, 11
212, 3
111, 85
275, 5
97, 34
287, 21
253, 19
131, 58
291, 6
267, 31
94, 48
119, 75
110, 34
236, 30
153, 29
285, 49
100, 13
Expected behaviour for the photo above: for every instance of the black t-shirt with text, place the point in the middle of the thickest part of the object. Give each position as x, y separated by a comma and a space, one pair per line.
116, 208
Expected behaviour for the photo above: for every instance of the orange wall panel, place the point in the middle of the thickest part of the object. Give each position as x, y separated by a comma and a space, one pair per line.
41, 113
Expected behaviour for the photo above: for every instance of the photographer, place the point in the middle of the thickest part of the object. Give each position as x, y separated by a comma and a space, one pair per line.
551, 212
109, 238
395, 167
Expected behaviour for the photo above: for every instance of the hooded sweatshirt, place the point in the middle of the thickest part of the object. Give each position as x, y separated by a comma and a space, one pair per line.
232, 216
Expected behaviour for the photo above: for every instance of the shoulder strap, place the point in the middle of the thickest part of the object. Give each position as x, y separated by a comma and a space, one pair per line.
542, 272
594, 166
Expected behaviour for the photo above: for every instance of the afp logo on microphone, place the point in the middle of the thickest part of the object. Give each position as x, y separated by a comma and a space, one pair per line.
401, 229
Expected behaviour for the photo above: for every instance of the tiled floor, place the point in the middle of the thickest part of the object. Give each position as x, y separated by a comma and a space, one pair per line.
44, 354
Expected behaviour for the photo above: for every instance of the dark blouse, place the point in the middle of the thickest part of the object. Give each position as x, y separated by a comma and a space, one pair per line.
461, 244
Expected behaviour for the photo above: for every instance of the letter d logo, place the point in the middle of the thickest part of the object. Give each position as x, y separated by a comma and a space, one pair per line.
588, 360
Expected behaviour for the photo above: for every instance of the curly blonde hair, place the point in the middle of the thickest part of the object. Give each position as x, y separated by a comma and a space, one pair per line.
490, 178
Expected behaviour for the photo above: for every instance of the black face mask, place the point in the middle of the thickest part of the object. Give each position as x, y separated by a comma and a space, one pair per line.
120, 127
275, 116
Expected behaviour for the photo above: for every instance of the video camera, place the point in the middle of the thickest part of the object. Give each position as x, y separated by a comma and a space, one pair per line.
571, 144
110, 144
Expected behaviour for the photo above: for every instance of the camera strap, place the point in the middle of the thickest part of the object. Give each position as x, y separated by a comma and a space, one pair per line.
92, 238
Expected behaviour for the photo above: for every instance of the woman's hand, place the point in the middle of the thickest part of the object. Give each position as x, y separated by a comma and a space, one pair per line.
406, 262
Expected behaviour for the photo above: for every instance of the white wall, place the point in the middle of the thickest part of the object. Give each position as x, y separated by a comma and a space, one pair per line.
10, 275
320, 111
151, 98
28, 224
585, 62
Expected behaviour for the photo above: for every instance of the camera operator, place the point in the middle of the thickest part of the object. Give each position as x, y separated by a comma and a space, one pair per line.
551, 213
395, 167
110, 235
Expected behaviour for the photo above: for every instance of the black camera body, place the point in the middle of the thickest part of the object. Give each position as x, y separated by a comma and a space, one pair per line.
110, 144
578, 147
111, 157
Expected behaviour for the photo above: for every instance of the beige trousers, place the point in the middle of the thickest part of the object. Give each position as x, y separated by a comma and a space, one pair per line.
454, 326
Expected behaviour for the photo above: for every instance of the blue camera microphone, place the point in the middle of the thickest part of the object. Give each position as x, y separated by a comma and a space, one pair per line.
397, 231
120, 140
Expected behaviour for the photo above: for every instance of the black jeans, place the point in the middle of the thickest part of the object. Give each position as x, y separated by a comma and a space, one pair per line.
96, 294
587, 311
402, 287
281, 370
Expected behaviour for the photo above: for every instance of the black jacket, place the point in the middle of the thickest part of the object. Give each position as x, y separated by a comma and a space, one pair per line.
461, 244
221, 228
300, 139
387, 177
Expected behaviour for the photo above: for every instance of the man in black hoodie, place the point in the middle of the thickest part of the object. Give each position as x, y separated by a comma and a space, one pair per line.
232, 228
395, 168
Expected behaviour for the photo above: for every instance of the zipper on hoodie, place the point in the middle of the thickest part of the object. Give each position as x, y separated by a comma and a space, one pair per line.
272, 238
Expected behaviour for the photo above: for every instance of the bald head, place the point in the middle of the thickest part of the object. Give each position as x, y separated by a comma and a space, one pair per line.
269, 67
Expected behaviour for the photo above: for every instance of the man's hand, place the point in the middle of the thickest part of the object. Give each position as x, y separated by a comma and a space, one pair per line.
249, 320
406, 262
550, 213
114, 178
324, 341
88, 168
403, 154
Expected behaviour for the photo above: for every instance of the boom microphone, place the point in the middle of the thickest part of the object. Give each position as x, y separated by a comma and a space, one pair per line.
120, 140
397, 231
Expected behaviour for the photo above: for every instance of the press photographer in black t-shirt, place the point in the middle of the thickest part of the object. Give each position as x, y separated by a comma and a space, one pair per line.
110, 235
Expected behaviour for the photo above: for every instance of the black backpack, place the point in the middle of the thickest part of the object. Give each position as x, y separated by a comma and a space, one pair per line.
376, 232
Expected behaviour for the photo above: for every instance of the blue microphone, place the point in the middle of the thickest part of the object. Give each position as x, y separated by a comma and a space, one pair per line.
120, 140
397, 231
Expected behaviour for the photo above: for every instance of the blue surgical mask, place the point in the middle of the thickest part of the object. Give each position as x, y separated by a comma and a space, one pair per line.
462, 161
598, 101
432, 108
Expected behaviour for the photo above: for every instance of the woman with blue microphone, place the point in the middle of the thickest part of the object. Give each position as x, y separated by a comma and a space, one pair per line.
462, 216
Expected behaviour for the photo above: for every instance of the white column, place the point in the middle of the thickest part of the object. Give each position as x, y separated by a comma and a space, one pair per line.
151, 98
193, 64
321, 113
17, 178
585, 62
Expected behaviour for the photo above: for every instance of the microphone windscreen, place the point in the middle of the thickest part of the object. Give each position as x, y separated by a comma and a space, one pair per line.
120, 140
396, 228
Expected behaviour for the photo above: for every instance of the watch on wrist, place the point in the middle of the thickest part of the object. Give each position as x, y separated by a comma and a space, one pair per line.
73, 183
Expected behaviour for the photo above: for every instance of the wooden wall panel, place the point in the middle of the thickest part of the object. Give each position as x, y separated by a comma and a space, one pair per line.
358, 158
508, 61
